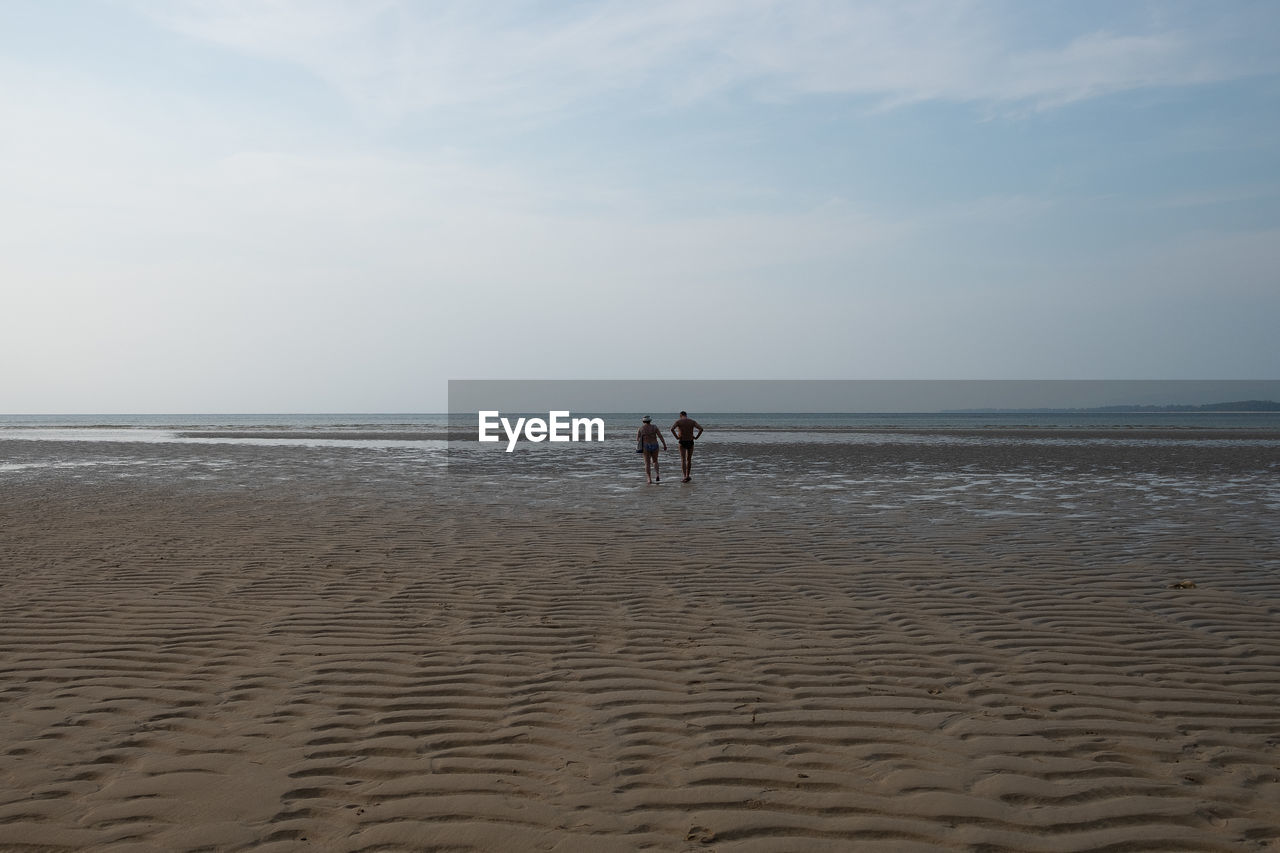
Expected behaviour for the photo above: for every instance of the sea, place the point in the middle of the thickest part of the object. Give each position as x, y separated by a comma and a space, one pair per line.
433, 433
368, 427
1218, 468
440, 438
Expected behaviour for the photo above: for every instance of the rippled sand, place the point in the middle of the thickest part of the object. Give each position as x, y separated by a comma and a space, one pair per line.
898, 648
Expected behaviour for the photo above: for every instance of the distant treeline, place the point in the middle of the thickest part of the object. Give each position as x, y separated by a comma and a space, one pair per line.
1237, 406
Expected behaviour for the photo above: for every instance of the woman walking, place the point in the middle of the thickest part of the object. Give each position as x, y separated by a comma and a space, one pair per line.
647, 438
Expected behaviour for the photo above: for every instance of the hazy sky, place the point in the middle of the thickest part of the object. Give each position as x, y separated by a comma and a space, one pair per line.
337, 206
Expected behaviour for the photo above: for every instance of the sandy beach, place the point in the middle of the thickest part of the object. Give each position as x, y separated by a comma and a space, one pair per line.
999, 647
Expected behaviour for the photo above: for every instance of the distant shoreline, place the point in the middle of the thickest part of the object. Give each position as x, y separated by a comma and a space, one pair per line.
1241, 407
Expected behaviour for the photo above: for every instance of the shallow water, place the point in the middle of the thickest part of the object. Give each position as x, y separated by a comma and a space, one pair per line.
820, 460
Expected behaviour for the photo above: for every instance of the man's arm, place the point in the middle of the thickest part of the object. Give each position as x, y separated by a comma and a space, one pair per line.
698, 427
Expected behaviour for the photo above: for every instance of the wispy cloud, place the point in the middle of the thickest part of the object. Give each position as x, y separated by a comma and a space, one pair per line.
173, 203
398, 58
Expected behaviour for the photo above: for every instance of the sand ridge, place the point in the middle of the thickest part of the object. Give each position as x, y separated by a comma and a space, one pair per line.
398, 666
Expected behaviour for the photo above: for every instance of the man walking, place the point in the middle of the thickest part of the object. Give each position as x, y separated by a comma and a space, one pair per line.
686, 430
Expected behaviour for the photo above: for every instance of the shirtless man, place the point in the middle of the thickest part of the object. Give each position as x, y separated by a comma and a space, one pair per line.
686, 430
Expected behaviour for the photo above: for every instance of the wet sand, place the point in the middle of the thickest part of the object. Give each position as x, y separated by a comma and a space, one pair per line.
983, 648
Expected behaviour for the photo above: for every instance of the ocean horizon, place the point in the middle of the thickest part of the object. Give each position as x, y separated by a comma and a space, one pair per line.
378, 422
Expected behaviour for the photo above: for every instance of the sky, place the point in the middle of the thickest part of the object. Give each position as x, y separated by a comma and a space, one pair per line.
326, 206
